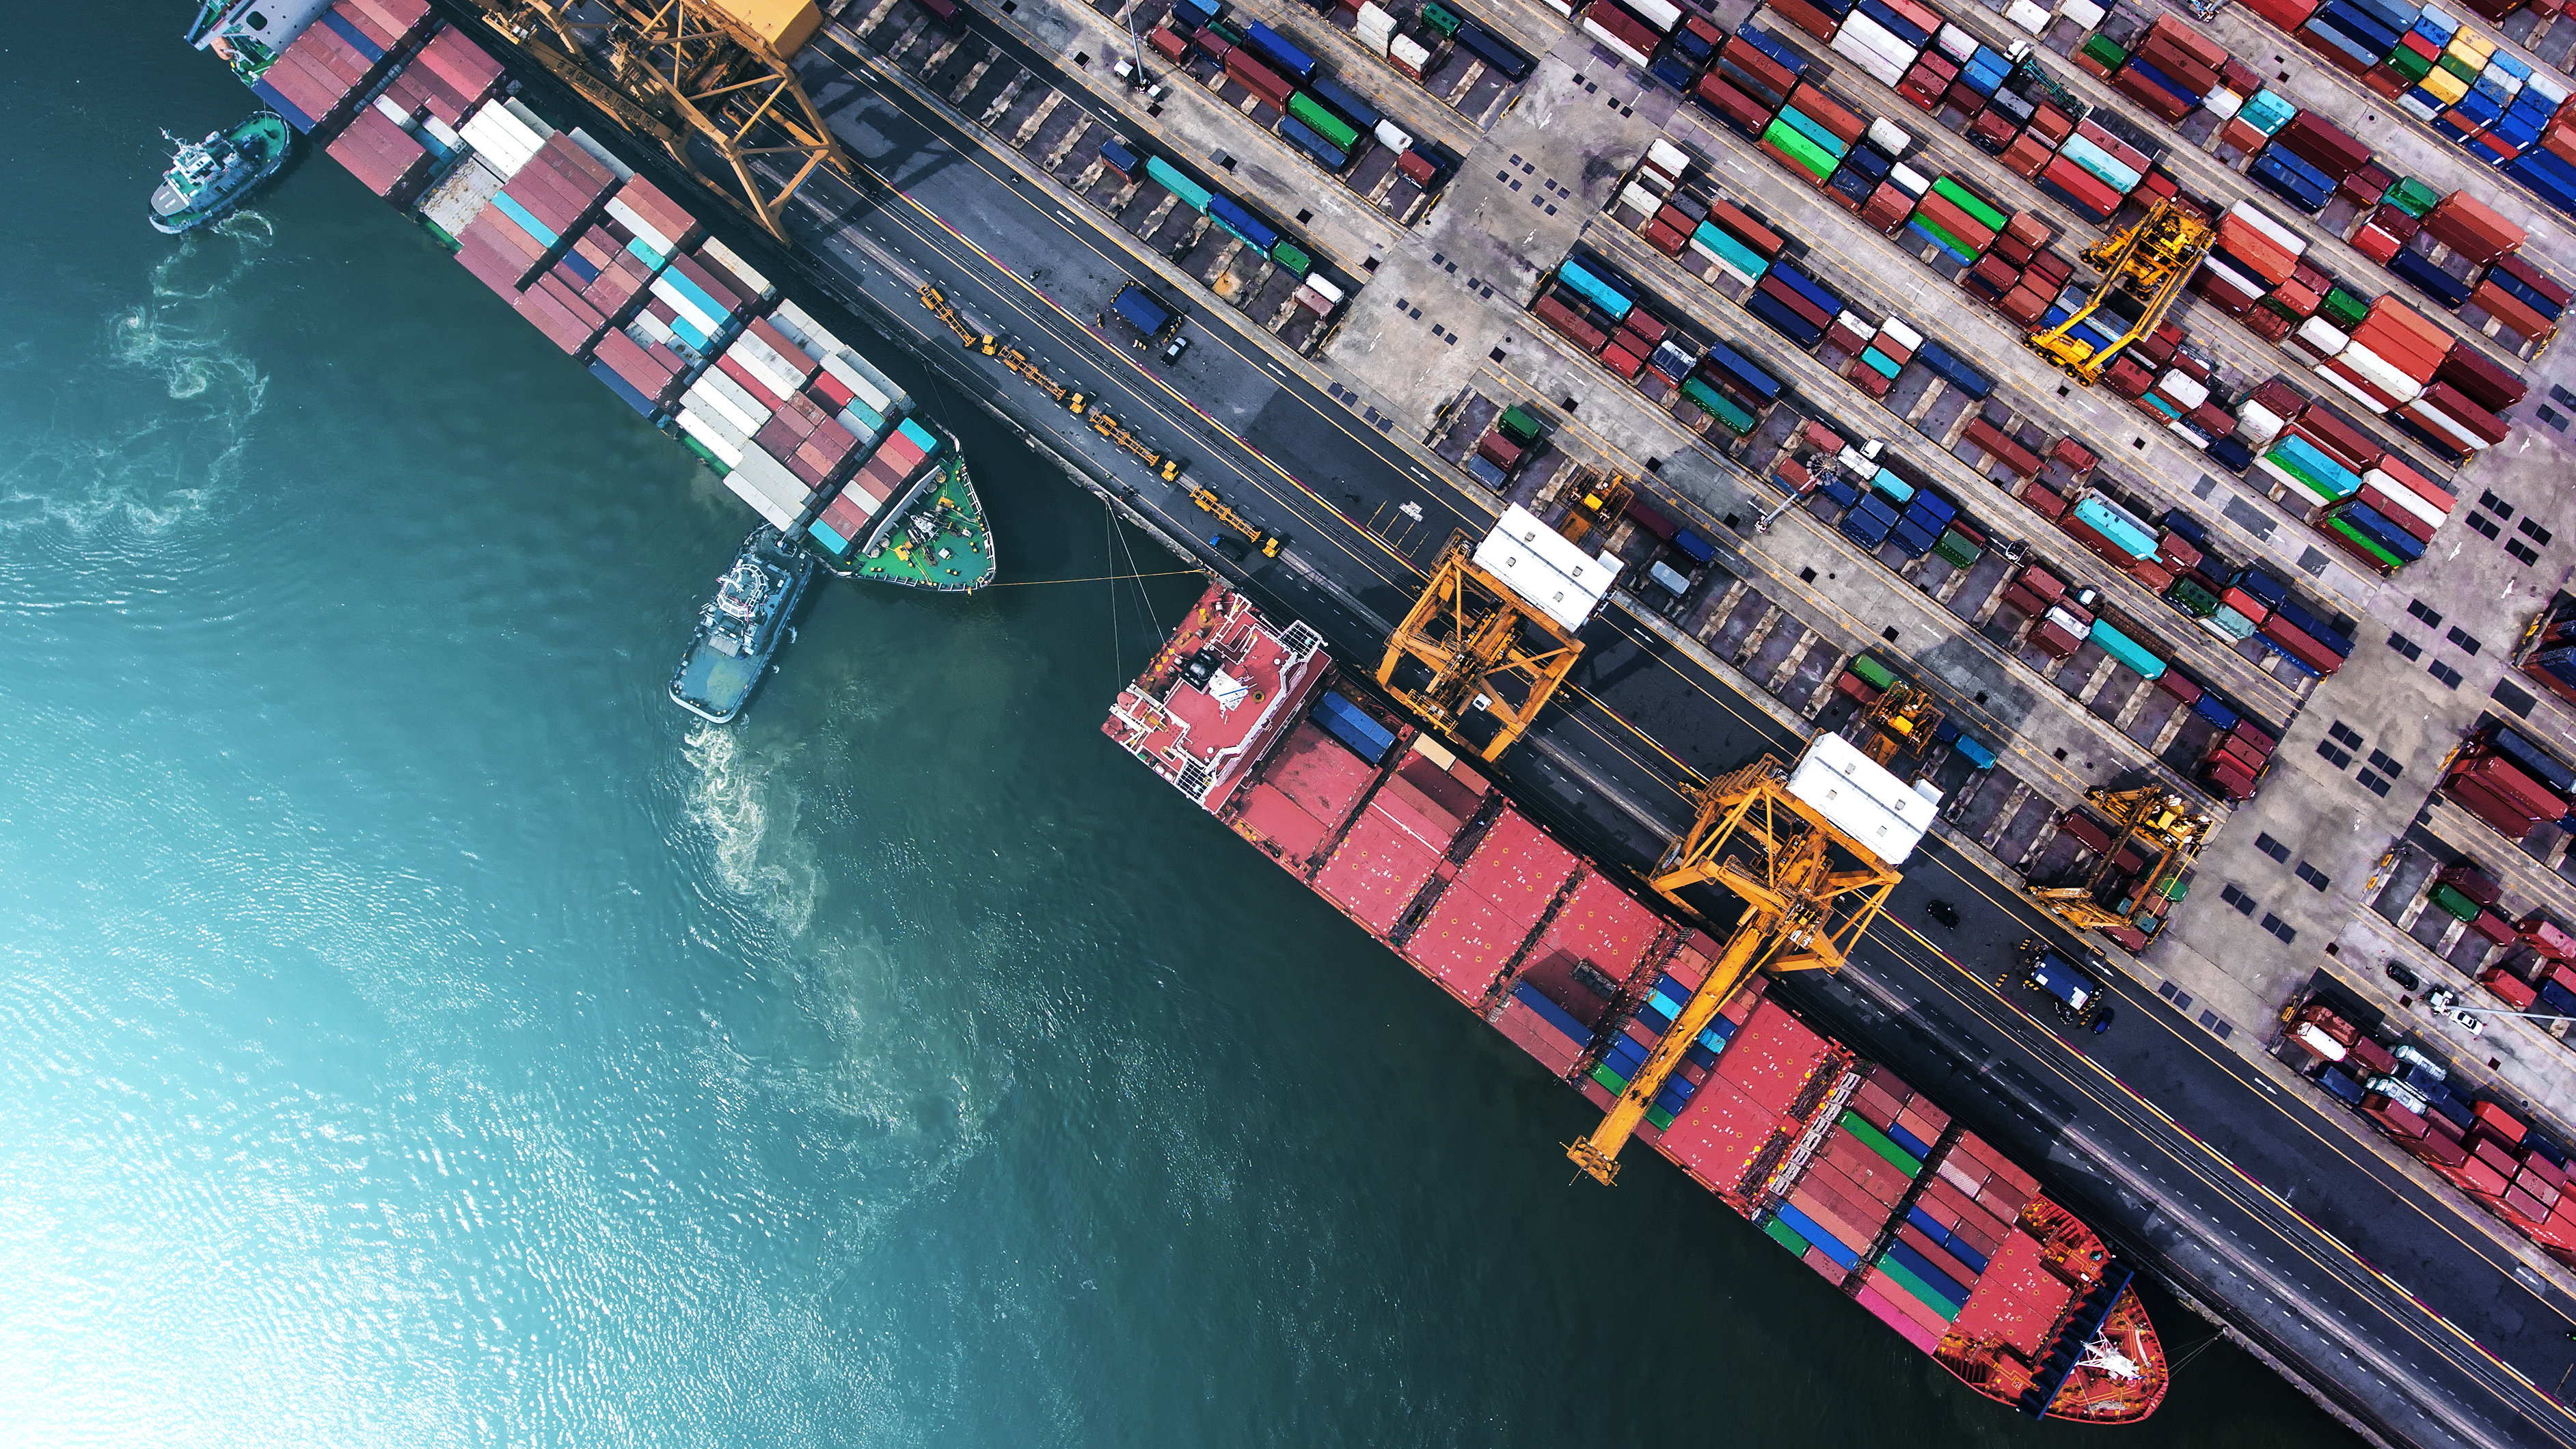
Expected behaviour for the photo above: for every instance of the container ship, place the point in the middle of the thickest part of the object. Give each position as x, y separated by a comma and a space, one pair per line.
1926, 1226
820, 442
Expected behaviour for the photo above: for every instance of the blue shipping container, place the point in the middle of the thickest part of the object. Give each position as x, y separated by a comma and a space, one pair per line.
1738, 367
1341, 98
1330, 157
1553, 1014
1351, 725
1256, 233
1949, 365
1783, 321
1280, 51
1693, 547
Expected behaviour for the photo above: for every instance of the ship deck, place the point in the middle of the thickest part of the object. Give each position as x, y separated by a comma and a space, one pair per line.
960, 559
717, 682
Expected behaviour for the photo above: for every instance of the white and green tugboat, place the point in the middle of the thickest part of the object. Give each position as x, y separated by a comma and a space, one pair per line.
208, 178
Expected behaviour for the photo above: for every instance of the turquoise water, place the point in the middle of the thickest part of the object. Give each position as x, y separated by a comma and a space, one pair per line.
415, 1031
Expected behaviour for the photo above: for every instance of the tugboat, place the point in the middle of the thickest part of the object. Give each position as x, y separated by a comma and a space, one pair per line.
207, 178
741, 627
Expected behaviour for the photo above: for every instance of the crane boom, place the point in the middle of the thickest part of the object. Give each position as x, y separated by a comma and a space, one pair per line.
1809, 889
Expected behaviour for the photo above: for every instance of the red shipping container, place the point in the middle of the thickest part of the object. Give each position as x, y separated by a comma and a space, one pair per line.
1747, 114
1739, 224
1807, 18
2521, 270
2481, 379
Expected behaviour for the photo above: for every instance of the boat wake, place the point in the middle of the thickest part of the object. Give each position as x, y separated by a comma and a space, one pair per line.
750, 819
150, 466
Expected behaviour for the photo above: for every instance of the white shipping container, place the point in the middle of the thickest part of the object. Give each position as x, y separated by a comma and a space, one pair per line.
697, 426
714, 425
537, 127
1378, 42
2029, 16
386, 108
1857, 796
2182, 390
1326, 290
1728, 267
1393, 137
2349, 388
1862, 38
2322, 336
2244, 285
680, 302
757, 358
647, 328
1954, 42
2224, 104
1909, 180
1615, 45
2257, 424
442, 133
2547, 89
723, 256
1877, 67
2420, 109
2253, 216
1547, 570
2382, 373
2406, 498
1661, 14
1410, 52
804, 331
1374, 16
1562, 7
2085, 14
1668, 158
1896, 330
497, 140
865, 388
2187, 433
2444, 423
1639, 197
712, 403
642, 230
754, 480
601, 154
1889, 137
736, 400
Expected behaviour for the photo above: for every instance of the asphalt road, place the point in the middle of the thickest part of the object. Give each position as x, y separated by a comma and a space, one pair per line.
2373, 1289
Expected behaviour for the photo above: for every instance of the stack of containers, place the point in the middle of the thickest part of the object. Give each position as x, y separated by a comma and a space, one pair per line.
2306, 160
1626, 30
1981, 1196
2509, 783
454, 75
1811, 134
2171, 70
1957, 220
1749, 83
2093, 171
1729, 387
2549, 654
1794, 305
2516, 294
380, 146
1882, 48
1740, 245
2254, 256
317, 82
1850, 1190
2392, 355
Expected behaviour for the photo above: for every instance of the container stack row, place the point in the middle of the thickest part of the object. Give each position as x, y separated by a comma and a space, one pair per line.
2483, 1147
2548, 652
1593, 306
2510, 783
325, 74
1323, 117
2371, 501
1317, 293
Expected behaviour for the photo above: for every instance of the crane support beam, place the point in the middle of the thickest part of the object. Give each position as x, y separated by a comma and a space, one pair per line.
684, 71
2147, 266
2160, 835
1470, 654
1808, 889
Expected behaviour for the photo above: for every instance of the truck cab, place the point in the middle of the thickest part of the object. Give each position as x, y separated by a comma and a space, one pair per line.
2076, 992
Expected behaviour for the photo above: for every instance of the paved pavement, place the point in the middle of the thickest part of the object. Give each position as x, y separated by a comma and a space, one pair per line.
2259, 1208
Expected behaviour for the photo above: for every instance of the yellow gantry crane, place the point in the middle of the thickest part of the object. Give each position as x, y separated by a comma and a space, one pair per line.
2144, 267
1492, 635
2155, 838
1808, 890
684, 71
1595, 504
1899, 724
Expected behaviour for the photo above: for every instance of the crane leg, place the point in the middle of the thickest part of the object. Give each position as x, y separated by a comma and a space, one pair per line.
1598, 1154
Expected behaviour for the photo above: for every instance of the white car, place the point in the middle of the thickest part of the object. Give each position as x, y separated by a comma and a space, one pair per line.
2469, 1021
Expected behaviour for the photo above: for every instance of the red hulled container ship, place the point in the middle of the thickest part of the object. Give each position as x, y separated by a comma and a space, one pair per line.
1922, 1223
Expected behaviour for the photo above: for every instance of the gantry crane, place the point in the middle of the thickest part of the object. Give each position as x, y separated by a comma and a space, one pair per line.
1261, 538
1808, 891
684, 71
1899, 725
1165, 468
969, 336
2156, 836
1493, 633
1018, 364
2145, 267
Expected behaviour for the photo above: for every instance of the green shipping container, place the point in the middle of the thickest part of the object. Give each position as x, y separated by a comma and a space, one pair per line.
2102, 49
1786, 1236
1943, 233
2364, 542
1662, 1119
711, 460
2192, 599
2412, 197
2343, 309
1523, 428
1804, 154
1878, 675
1611, 1081
1327, 125
1880, 1143
2460, 68
1736, 419
1922, 1291
2408, 64
2451, 902
1826, 141
1956, 550
1293, 257
1439, 17
1191, 194
1969, 202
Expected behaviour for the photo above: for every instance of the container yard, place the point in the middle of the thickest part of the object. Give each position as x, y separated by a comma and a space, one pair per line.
1919, 1222
626, 281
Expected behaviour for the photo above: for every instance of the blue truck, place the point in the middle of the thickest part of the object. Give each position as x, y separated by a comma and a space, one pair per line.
2076, 993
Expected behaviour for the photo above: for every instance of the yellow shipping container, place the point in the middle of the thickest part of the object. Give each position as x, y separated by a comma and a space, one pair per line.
785, 25
2443, 86
2471, 48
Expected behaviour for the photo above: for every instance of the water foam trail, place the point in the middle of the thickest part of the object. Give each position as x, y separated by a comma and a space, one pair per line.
744, 804
149, 468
